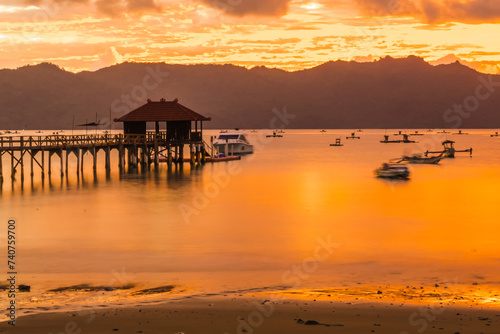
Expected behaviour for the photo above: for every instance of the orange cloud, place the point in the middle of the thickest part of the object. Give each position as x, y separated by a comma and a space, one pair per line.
108, 7
250, 7
435, 11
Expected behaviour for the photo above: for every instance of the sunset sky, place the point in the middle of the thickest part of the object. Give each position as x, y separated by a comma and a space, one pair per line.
289, 34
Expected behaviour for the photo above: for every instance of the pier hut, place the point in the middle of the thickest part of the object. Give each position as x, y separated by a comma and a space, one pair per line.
183, 127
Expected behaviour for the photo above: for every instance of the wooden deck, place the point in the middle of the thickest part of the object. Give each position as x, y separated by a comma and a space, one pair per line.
132, 150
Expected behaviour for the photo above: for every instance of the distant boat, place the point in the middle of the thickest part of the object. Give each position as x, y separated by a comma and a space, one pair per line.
337, 142
495, 135
233, 143
323, 131
274, 135
280, 131
392, 171
460, 133
223, 131
405, 140
353, 136
416, 134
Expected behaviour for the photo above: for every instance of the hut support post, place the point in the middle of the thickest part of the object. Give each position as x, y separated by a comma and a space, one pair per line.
192, 156
121, 158
21, 159
157, 159
82, 154
169, 156
181, 154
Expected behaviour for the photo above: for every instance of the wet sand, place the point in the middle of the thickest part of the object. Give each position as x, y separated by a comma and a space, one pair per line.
263, 314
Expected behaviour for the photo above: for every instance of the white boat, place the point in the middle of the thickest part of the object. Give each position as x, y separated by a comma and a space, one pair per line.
233, 143
393, 171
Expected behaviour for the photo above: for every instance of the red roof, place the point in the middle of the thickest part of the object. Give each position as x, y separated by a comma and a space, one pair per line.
162, 111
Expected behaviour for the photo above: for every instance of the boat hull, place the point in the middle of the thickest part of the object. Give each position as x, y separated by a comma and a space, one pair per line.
234, 148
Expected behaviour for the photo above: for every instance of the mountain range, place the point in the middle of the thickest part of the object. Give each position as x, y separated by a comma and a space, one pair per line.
388, 93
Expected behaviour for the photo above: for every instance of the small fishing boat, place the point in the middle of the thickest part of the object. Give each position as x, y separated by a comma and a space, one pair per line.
460, 133
495, 135
223, 131
322, 131
280, 131
419, 159
448, 150
416, 134
274, 135
392, 171
337, 142
233, 143
353, 136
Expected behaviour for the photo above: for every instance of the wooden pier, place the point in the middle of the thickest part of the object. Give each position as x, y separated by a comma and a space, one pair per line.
132, 149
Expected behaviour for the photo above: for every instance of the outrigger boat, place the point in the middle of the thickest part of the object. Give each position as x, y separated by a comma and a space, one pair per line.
353, 136
392, 171
495, 135
322, 131
405, 140
449, 151
419, 159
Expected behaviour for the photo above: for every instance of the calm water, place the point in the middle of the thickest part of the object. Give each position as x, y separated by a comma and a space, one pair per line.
266, 212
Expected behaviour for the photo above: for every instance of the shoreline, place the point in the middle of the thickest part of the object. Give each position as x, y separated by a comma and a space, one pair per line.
261, 314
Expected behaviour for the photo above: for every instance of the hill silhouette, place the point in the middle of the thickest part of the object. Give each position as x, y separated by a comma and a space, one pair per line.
389, 93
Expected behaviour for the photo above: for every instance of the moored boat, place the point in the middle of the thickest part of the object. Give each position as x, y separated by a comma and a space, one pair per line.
233, 143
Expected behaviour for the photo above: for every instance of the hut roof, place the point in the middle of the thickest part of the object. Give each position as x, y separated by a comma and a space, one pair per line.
162, 111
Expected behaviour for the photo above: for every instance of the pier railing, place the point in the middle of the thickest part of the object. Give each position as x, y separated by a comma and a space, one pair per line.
68, 141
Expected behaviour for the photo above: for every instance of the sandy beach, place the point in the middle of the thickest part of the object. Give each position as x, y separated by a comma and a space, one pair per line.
257, 314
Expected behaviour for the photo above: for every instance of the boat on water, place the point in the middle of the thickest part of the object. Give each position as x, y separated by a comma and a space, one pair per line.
405, 140
449, 150
274, 135
353, 136
460, 133
233, 143
392, 171
337, 142
419, 159
495, 135
322, 131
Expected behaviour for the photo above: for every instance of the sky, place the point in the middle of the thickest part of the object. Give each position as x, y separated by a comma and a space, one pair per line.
83, 35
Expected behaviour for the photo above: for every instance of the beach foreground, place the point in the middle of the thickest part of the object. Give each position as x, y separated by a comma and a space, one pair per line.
258, 314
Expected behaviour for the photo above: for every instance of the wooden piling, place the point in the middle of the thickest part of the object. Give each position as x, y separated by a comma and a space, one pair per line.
1, 167
67, 160
21, 159
50, 161
108, 158
94, 155
77, 153
61, 156
192, 157
43, 164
